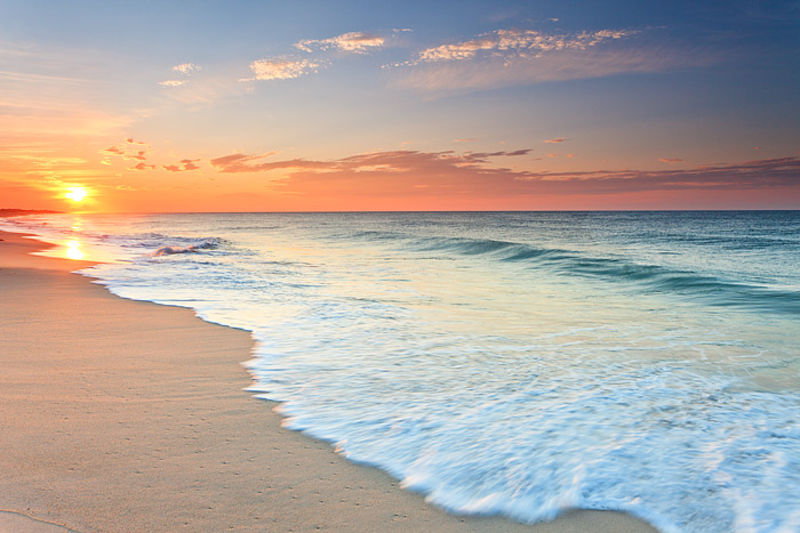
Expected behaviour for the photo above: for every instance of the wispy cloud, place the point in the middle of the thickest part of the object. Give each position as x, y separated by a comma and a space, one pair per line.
255, 163
172, 83
185, 164
142, 166
512, 57
669, 160
518, 43
134, 150
356, 41
113, 150
780, 172
186, 68
555, 140
281, 69
396, 160
52, 92
129, 150
412, 172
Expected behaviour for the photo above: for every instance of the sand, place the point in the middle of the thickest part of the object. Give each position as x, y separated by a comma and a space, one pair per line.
118, 416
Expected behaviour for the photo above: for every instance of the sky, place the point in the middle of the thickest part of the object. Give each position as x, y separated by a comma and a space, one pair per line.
354, 106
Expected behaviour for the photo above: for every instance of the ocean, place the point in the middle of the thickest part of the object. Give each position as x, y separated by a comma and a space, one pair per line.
516, 363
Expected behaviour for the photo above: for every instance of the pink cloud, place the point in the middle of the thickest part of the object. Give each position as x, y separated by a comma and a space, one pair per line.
114, 150
281, 69
403, 171
185, 164
355, 41
127, 150
669, 160
395, 161
556, 140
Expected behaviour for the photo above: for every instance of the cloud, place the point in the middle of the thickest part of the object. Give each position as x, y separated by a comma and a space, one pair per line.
669, 160
555, 141
780, 172
250, 163
520, 43
185, 164
186, 68
516, 57
128, 150
448, 173
114, 150
281, 69
131, 150
356, 41
357, 163
465, 140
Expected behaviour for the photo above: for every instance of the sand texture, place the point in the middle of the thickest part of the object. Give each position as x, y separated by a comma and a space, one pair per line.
119, 416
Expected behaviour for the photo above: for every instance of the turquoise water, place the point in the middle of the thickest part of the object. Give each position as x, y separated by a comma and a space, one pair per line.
514, 363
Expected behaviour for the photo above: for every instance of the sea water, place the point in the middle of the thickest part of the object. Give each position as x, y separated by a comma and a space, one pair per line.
513, 363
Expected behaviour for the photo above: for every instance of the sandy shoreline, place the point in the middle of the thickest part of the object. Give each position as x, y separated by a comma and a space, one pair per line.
120, 415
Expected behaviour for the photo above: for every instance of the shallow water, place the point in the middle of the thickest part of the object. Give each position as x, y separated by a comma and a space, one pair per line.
520, 363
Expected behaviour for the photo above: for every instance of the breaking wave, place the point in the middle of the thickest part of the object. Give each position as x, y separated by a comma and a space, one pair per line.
712, 289
210, 244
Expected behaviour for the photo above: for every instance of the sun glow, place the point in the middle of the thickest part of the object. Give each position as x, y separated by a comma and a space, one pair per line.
76, 194
74, 250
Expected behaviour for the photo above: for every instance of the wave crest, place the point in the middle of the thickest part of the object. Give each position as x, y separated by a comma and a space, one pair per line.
711, 289
209, 244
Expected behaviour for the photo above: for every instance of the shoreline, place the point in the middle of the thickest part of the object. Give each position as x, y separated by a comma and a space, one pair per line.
134, 417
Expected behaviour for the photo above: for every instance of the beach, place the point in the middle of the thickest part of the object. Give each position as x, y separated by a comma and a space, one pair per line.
121, 415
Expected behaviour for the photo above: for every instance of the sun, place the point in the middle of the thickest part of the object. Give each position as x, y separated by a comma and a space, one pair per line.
76, 194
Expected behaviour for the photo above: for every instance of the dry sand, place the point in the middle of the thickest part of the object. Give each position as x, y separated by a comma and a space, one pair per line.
117, 415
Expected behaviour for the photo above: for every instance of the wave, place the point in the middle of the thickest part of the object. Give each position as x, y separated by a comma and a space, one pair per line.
711, 289
209, 244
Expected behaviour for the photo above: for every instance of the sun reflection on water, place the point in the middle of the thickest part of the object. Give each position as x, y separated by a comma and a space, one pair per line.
74, 250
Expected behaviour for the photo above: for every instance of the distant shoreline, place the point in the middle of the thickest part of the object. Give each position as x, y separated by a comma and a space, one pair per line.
7, 212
